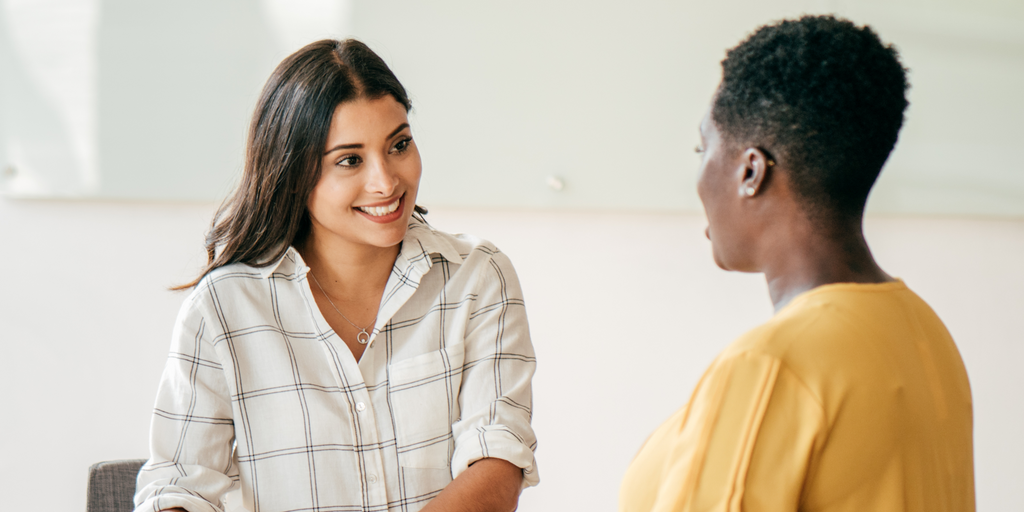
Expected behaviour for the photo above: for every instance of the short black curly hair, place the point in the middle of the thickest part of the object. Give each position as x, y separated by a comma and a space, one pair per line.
822, 96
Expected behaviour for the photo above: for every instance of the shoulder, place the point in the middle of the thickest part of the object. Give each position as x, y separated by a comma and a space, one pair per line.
843, 333
232, 275
809, 341
288, 264
461, 248
467, 262
241, 283
828, 318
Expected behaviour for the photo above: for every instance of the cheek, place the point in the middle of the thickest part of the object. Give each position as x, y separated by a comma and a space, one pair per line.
412, 175
716, 209
314, 201
707, 190
329, 198
413, 168
702, 188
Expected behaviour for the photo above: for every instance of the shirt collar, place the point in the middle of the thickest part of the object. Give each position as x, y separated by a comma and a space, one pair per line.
290, 262
420, 242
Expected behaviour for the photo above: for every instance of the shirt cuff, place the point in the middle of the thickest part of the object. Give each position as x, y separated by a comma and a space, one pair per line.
498, 442
166, 501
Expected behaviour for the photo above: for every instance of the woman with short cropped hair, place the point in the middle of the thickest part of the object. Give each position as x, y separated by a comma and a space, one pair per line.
853, 396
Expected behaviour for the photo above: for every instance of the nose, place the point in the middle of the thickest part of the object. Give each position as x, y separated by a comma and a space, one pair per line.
381, 180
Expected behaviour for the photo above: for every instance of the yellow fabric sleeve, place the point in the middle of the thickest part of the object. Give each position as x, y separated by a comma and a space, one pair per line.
745, 442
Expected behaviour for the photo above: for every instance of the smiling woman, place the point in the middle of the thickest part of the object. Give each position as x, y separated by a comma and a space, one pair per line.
400, 380
359, 208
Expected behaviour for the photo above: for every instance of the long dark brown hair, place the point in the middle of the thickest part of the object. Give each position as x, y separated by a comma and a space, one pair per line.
267, 211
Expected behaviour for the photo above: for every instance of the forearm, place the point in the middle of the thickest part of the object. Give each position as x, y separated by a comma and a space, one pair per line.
488, 485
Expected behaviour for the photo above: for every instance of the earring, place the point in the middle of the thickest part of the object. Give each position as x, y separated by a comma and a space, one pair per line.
750, 191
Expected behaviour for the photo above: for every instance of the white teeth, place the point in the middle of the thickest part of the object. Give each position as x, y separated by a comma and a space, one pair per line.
378, 211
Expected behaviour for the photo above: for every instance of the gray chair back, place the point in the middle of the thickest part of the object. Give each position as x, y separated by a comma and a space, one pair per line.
112, 485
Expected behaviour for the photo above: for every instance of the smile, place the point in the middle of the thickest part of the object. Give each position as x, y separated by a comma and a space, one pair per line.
380, 211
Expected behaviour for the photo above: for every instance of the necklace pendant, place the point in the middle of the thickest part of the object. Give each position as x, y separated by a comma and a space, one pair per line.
363, 337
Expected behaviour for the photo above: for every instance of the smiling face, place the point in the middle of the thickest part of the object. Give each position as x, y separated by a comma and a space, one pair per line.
722, 183
370, 173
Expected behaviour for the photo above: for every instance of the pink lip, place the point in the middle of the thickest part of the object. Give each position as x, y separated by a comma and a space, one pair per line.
384, 219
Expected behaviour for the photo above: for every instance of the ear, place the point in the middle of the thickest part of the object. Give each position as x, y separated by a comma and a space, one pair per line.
755, 168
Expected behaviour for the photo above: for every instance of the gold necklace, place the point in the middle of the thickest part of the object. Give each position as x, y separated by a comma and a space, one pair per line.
363, 337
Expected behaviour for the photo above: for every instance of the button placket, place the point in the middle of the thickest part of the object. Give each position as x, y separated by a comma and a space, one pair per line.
374, 470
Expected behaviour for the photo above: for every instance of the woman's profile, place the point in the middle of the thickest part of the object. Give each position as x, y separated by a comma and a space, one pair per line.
853, 396
337, 353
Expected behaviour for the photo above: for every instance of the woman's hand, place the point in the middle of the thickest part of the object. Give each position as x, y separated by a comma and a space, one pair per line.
488, 485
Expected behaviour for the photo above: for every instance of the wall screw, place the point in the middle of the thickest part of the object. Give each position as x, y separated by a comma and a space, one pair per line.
555, 183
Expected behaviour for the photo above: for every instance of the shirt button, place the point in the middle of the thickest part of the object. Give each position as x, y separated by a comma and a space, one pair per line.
372, 479
361, 407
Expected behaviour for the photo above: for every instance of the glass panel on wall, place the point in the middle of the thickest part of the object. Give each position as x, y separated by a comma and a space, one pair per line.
576, 104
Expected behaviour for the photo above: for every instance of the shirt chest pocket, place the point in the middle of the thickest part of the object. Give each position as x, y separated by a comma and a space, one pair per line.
424, 394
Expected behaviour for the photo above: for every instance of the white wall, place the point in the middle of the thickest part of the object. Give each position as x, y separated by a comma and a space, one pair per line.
626, 311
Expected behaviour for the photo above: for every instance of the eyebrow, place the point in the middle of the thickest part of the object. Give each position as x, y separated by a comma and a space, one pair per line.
399, 129
359, 146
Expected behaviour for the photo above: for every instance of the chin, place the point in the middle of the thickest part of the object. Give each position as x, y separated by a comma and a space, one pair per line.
718, 261
401, 229
733, 265
727, 260
389, 240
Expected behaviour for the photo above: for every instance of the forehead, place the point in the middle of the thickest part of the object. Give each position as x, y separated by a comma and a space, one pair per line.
366, 116
708, 130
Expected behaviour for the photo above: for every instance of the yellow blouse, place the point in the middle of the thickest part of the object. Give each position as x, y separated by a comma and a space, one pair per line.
852, 398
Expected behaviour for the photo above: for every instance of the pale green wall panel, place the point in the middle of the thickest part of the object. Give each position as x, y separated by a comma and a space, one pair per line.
603, 97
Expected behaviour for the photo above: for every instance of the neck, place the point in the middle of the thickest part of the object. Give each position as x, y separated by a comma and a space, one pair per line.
348, 272
809, 256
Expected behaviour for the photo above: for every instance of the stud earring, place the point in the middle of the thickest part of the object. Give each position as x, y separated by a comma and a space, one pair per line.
750, 191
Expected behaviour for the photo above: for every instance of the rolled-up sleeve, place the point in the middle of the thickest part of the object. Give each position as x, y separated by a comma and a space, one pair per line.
496, 393
192, 433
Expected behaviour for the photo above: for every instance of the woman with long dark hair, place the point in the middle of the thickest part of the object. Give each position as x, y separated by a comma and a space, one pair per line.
337, 353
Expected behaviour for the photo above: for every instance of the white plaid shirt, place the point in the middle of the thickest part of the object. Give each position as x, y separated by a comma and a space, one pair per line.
259, 392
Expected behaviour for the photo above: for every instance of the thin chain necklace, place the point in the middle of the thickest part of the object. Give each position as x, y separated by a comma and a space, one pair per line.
363, 337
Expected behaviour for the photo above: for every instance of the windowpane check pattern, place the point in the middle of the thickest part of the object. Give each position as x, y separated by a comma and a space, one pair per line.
259, 392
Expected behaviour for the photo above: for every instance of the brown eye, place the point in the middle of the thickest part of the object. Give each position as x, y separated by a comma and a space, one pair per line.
348, 161
402, 145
